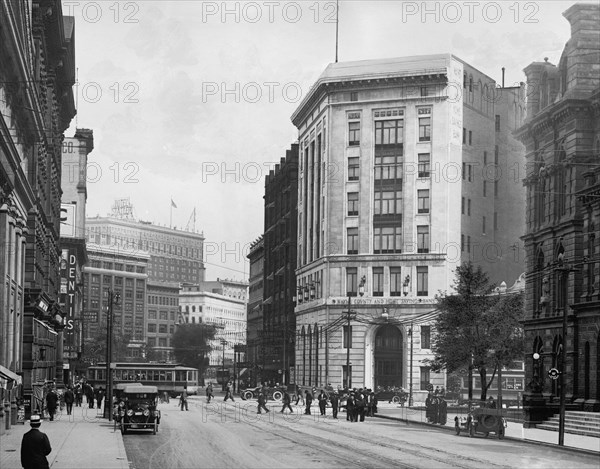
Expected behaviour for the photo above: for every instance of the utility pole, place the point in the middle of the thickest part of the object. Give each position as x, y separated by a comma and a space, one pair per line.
113, 298
223, 342
410, 371
348, 344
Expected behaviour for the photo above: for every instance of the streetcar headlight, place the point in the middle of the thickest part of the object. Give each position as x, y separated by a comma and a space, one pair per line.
129, 413
146, 413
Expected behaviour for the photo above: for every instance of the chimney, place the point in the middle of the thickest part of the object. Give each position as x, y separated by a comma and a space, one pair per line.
503, 69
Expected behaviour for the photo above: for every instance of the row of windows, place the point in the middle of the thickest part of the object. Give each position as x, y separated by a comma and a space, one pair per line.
398, 285
389, 132
387, 239
162, 300
389, 202
162, 328
162, 315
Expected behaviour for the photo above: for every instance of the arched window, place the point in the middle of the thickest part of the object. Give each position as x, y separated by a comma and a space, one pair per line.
316, 354
540, 191
561, 182
303, 333
544, 91
310, 349
538, 282
587, 371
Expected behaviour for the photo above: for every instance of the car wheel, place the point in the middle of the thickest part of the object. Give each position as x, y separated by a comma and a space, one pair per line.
277, 395
247, 395
396, 399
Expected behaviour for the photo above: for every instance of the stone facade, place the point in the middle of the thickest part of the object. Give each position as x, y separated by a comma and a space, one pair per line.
561, 135
397, 185
37, 53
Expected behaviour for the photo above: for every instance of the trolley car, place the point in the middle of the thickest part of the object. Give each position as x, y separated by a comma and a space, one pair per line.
171, 378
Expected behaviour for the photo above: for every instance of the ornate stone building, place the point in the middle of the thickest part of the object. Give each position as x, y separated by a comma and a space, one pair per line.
256, 259
562, 138
398, 184
37, 53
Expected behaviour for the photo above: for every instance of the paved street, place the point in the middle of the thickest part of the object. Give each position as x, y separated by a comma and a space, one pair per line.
225, 435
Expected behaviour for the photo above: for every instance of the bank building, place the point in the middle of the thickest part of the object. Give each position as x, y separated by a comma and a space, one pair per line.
407, 167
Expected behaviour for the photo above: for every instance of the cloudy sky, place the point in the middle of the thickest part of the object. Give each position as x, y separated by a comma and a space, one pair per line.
191, 100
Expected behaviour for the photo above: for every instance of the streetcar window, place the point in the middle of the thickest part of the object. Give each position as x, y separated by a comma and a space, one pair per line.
162, 376
169, 376
155, 376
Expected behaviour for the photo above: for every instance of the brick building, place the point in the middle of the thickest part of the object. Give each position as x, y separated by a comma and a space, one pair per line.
562, 138
254, 325
279, 278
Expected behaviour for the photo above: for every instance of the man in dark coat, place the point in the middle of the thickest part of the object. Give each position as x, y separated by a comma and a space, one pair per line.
360, 407
99, 398
429, 407
51, 403
262, 400
69, 399
286, 401
209, 393
335, 401
35, 446
89, 395
322, 402
351, 408
308, 399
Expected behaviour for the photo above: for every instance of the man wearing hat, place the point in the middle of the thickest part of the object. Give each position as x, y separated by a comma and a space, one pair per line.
35, 446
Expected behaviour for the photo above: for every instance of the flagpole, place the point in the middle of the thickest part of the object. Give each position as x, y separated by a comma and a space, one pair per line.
171, 214
337, 17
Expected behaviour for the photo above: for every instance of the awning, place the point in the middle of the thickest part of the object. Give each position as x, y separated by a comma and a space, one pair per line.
8, 375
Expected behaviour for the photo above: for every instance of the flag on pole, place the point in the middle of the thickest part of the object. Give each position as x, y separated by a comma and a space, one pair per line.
173, 204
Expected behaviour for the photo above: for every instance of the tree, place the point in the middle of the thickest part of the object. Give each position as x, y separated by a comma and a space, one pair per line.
191, 345
477, 328
94, 350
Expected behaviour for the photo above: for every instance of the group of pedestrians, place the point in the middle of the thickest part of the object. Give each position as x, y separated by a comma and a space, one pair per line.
360, 403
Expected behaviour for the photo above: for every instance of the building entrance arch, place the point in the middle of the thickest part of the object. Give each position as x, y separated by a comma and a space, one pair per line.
384, 357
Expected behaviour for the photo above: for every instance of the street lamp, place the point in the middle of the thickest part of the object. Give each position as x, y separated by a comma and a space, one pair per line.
113, 299
223, 342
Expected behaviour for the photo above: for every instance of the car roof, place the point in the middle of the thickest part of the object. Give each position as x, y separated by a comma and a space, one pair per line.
122, 386
137, 389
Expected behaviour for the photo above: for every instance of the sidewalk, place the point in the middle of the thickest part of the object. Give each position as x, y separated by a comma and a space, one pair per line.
81, 440
512, 431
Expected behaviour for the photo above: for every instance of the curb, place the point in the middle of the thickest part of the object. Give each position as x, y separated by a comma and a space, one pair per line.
510, 438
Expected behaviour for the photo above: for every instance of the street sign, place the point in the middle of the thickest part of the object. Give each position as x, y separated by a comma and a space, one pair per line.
553, 373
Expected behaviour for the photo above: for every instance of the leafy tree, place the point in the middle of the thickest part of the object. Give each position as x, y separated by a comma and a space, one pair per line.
191, 345
94, 350
477, 328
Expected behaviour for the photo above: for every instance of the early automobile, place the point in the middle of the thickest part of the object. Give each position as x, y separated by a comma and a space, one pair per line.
483, 421
273, 393
137, 409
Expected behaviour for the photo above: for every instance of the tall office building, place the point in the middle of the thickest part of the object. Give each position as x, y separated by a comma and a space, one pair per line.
75, 153
400, 181
279, 278
175, 255
109, 272
254, 325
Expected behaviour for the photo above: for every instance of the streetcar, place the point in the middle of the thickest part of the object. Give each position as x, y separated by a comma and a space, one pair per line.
170, 378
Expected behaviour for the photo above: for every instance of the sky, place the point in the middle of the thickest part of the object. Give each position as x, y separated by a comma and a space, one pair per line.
190, 101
